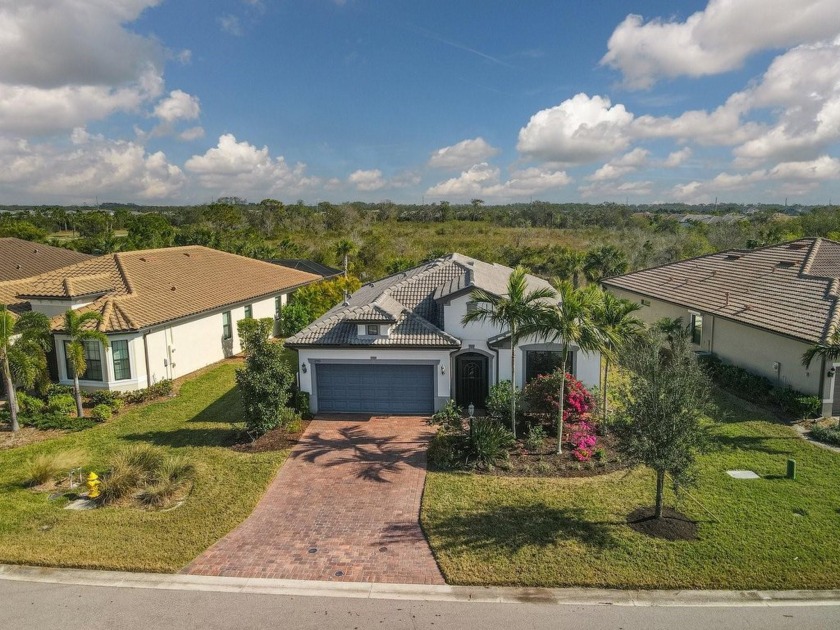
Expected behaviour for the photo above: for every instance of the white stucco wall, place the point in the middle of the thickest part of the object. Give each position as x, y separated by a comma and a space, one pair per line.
173, 351
51, 308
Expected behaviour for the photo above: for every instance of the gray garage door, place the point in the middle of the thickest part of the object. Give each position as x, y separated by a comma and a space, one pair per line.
380, 388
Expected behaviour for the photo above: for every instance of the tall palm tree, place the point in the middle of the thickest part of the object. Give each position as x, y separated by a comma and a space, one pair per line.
24, 343
343, 250
614, 316
76, 326
571, 322
604, 262
571, 266
518, 312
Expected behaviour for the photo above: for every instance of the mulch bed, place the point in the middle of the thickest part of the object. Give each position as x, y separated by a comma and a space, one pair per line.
275, 440
545, 462
672, 526
26, 435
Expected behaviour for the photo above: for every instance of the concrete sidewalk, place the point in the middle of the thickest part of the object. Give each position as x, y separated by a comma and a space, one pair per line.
420, 592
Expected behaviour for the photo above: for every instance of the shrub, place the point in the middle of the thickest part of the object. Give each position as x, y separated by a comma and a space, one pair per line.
48, 466
113, 400
54, 389
489, 443
144, 472
445, 451
498, 403
542, 396
101, 413
827, 435
300, 402
536, 438
449, 418
797, 404
172, 474
29, 405
289, 419
265, 381
162, 388
61, 403
51, 420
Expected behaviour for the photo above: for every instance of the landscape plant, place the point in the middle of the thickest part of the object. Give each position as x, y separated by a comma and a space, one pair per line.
516, 312
81, 328
660, 411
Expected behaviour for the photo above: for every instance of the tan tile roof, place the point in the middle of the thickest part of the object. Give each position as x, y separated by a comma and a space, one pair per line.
151, 287
791, 288
23, 259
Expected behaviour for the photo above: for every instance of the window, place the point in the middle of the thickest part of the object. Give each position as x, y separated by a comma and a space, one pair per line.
539, 362
249, 311
373, 329
472, 306
119, 354
93, 361
227, 331
278, 306
696, 328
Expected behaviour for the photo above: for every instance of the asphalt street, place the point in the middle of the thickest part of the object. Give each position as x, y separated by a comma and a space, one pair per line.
43, 606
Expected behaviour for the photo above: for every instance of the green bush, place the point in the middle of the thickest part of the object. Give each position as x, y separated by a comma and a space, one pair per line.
158, 390
105, 397
797, 404
498, 403
449, 418
536, 438
827, 435
54, 389
445, 451
489, 443
29, 405
300, 402
101, 413
61, 404
52, 420
289, 419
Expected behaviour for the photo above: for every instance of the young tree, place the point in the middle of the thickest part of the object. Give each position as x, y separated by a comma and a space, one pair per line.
661, 408
518, 311
81, 327
571, 266
604, 262
343, 250
265, 381
24, 343
614, 316
571, 322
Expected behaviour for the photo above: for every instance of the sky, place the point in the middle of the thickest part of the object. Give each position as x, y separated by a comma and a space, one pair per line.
640, 101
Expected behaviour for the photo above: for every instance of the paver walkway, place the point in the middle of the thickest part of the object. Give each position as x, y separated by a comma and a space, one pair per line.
345, 506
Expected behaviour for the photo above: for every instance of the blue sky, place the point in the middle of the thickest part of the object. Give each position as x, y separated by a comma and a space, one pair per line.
183, 101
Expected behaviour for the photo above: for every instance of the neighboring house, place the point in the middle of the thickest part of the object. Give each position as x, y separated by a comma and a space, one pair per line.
167, 312
759, 309
309, 266
21, 259
399, 346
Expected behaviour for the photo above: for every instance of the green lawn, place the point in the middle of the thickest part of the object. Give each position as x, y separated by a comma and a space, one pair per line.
35, 530
772, 532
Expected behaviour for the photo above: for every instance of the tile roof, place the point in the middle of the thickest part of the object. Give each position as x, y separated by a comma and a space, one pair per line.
21, 259
147, 288
310, 266
413, 299
791, 288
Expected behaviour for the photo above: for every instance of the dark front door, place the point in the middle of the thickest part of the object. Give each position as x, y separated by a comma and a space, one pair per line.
471, 379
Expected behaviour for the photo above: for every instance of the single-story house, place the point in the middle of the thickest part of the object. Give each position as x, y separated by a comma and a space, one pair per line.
21, 259
760, 309
398, 345
166, 312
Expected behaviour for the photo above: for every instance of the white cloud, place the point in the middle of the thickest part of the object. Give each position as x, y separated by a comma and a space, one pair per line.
579, 130
463, 154
178, 106
91, 166
677, 158
717, 39
621, 166
193, 133
606, 189
231, 25
243, 169
366, 181
484, 181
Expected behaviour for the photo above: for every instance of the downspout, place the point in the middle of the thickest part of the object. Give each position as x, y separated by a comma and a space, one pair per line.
146, 353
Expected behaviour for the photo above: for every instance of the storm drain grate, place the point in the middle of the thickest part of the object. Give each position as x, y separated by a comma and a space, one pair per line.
313, 550
339, 574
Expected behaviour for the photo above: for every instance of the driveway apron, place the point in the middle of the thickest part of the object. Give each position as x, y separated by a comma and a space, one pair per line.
344, 507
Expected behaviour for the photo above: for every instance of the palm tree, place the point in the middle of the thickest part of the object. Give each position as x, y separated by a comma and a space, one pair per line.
571, 266
343, 249
518, 312
604, 262
614, 316
24, 343
76, 327
828, 351
571, 322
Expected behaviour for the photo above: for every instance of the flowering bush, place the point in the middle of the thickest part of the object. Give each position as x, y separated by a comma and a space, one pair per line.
542, 393
583, 440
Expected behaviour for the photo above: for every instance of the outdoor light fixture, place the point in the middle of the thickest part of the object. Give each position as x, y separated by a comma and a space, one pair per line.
442, 368
831, 372
303, 367
471, 410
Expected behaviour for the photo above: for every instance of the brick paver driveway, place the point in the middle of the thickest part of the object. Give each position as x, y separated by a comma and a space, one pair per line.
345, 506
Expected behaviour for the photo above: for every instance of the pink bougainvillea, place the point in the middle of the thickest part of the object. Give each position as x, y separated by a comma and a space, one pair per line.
542, 395
583, 440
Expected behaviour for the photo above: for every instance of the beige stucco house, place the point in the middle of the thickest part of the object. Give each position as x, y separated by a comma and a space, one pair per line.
166, 312
759, 309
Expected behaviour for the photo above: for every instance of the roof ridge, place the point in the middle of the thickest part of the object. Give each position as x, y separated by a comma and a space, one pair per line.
429, 325
123, 273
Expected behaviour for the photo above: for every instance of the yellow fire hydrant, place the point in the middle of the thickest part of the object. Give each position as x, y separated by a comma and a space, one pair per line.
93, 485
